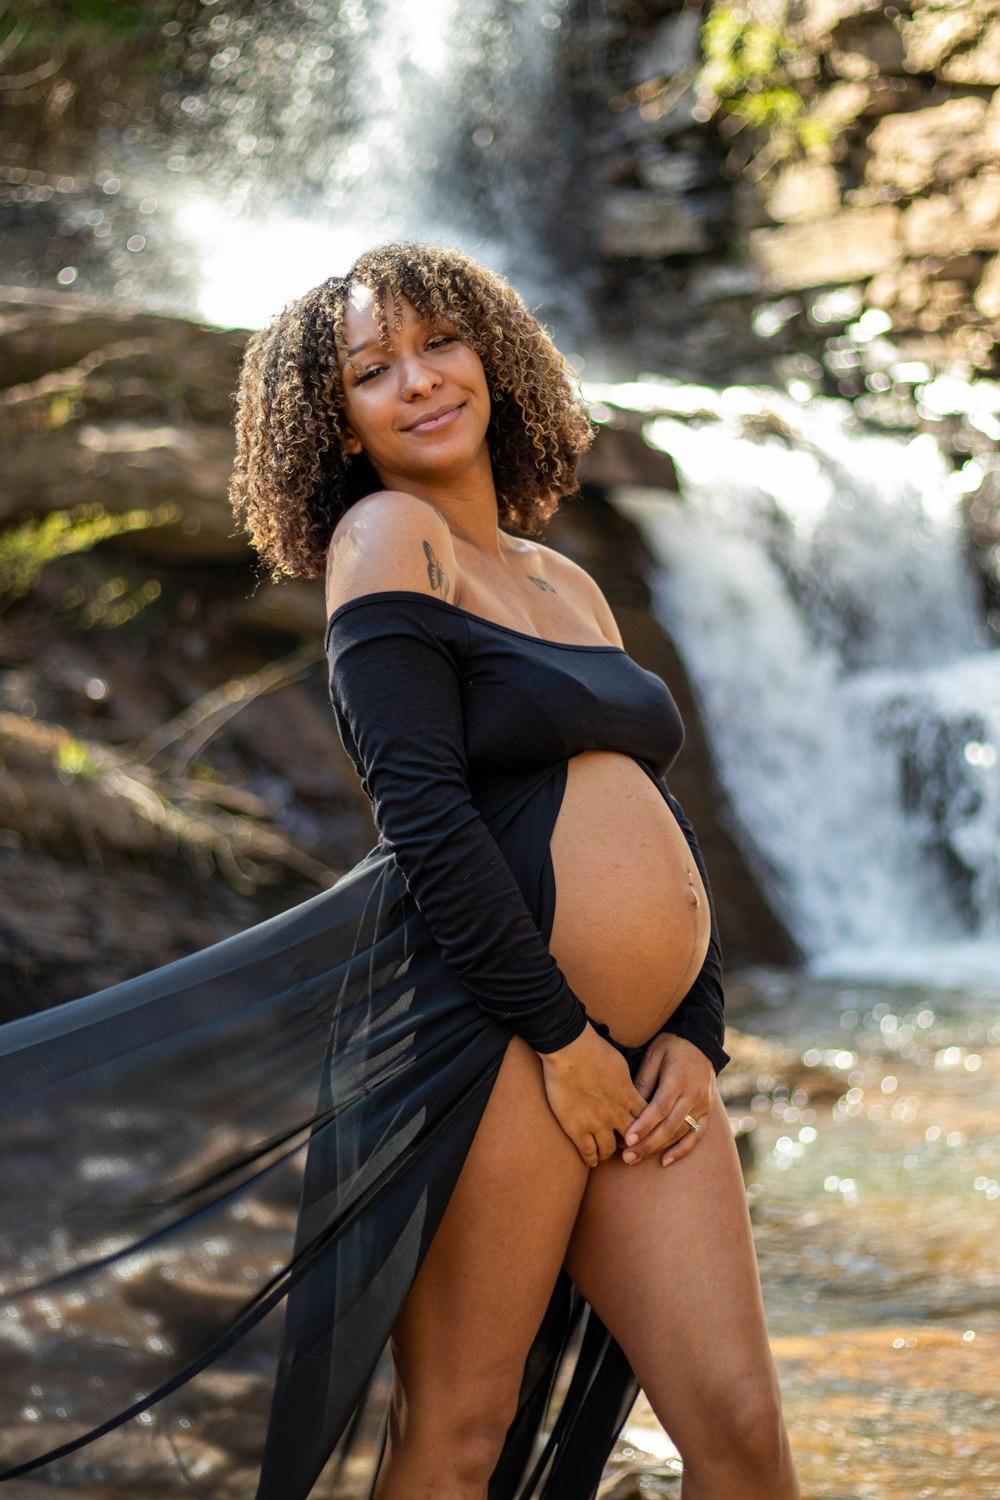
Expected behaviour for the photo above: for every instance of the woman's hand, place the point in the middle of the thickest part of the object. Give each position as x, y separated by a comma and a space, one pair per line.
591, 1094
678, 1080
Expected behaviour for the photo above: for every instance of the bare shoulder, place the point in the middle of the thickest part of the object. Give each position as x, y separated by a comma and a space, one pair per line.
551, 569
390, 540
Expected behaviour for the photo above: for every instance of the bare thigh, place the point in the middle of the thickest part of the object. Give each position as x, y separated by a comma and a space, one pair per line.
483, 1288
665, 1257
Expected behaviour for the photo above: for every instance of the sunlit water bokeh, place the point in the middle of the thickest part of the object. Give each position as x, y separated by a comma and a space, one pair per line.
877, 1218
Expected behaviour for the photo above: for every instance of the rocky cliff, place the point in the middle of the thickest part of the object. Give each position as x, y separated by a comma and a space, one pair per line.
808, 192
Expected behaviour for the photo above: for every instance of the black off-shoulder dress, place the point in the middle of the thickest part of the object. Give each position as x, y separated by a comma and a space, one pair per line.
219, 1179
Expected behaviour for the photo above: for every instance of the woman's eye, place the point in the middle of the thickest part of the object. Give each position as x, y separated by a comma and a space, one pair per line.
440, 339
368, 374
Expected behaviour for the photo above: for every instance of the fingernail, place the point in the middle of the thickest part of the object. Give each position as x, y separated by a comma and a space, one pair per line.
666, 1161
629, 1156
631, 1139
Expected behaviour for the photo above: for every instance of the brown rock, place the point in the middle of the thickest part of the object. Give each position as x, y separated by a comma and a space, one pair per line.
960, 42
648, 225
935, 32
841, 105
966, 219
856, 243
39, 334
124, 410
987, 293
819, 18
978, 63
292, 608
804, 190
127, 465
298, 739
621, 456
943, 144
882, 290
867, 46
760, 1066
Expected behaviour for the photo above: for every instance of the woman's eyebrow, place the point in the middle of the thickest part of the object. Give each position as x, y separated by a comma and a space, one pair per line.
358, 347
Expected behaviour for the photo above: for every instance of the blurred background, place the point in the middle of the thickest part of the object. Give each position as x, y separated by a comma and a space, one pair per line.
768, 237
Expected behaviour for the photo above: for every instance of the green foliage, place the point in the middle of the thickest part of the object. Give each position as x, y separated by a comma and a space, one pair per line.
74, 757
748, 76
27, 549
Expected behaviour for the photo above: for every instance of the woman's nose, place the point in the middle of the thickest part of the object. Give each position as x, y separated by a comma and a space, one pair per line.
417, 377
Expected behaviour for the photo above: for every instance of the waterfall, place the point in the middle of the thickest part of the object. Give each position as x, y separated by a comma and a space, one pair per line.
816, 580
320, 129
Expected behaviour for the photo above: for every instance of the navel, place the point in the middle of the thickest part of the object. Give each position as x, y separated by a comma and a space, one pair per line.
693, 898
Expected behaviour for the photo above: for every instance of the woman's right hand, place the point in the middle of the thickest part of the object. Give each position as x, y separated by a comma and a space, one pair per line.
591, 1094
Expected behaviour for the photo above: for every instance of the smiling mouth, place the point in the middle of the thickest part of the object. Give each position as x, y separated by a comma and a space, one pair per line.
436, 419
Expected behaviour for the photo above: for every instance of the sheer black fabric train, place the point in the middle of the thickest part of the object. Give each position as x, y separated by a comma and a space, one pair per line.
219, 1178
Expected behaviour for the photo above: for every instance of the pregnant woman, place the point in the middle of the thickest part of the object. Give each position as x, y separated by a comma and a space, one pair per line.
464, 1102
395, 420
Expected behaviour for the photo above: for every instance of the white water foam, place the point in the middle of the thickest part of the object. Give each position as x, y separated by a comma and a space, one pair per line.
815, 579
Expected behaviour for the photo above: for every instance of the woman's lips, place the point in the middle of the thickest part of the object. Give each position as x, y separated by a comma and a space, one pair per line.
434, 420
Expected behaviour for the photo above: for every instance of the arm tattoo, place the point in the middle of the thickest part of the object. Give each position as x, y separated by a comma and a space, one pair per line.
438, 577
541, 583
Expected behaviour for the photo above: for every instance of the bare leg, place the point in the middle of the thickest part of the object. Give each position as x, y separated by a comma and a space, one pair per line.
461, 1342
665, 1257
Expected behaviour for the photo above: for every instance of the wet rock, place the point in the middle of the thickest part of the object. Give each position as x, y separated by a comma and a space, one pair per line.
764, 1067
673, 46
647, 225
855, 243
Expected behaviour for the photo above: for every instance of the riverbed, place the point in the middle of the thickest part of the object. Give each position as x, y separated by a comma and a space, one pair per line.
876, 1218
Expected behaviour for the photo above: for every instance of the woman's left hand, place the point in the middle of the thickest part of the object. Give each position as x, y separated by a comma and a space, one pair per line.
676, 1079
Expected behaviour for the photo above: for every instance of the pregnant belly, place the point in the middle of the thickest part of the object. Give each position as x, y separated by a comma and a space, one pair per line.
632, 921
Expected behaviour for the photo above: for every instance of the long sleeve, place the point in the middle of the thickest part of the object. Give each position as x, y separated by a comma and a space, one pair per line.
395, 682
700, 1017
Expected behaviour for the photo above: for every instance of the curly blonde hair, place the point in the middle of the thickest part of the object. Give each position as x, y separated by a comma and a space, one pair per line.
293, 479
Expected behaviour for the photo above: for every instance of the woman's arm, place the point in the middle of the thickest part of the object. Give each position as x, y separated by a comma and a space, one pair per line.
395, 668
395, 681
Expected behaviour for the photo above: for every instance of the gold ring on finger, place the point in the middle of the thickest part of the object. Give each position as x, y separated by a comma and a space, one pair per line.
690, 1120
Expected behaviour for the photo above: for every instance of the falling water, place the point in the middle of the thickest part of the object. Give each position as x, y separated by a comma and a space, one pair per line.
300, 135
816, 580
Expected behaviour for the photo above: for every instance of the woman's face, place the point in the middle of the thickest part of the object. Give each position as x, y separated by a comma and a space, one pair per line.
419, 409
